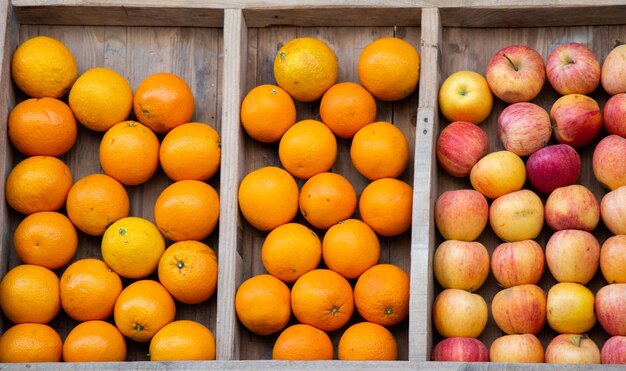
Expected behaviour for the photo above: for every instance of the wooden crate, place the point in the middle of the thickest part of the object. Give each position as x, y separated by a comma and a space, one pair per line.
229, 48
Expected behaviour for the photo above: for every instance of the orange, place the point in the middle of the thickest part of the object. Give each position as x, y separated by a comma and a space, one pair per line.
132, 247
187, 210
268, 197
89, 289
43, 67
290, 250
44, 127
302, 342
381, 294
191, 151
94, 341
366, 341
38, 183
326, 199
389, 68
188, 270
263, 304
30, 342
322, 298
346, 107
101, 98
305, 67
163, 101
267, 111
129, 152
386, 205
307, 148
183, 341
30, 293
142, 309
96, 201
380, 150
47, 238
350, 247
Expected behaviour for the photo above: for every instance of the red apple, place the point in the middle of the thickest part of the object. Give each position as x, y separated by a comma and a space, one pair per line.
611, 308
613, 210
520, 309
614, 350
613, 259
578, 120
460, 349
572, 207
461, 214
573, 68
524, 128
459, 146
572, 348
613, 70
516, 348
518, 263
461, 265
516, 73
609, 162
517, 216
615, 115
570, 308
573, 256
459, 313
552, 167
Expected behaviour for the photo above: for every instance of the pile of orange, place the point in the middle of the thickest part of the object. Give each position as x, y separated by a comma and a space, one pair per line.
129, 293
322, 248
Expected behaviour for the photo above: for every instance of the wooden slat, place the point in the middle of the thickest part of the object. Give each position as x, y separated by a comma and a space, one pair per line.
333, 16
235, 41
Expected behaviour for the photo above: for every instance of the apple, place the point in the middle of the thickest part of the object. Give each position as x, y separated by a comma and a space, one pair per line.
611, 308
461, 214
573, 68
577, 120
465, 96
615, 115
461, 265
520, 309
524, 128
613, 70
516, 348
518, 263
570, 308
608, 162
498, 173
459, 313
460, 349
459, 146
614, 350
517, 216
613, 259
516, 73
572, 207
572, 348
573, 256
613, 210
552, 167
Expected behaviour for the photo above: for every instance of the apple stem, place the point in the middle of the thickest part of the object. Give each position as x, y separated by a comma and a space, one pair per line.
510, 61
578, 340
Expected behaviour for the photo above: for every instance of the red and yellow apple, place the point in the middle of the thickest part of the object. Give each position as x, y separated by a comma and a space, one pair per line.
614, 112
520, 309
572, 207
609, 162
613, 259
573, 68
461, 265
460, 349
614, 350
516, 73
459, 313
461, 214
570, 308
572, 348
516, 348
518, 263
573, 256
498, 173
613, 210
552, 167
611, 308
577, 120
465, 96
524, 128
517, 216
613, 70
459, 146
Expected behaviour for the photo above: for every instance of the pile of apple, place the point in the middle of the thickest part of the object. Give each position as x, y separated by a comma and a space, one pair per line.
516, 74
